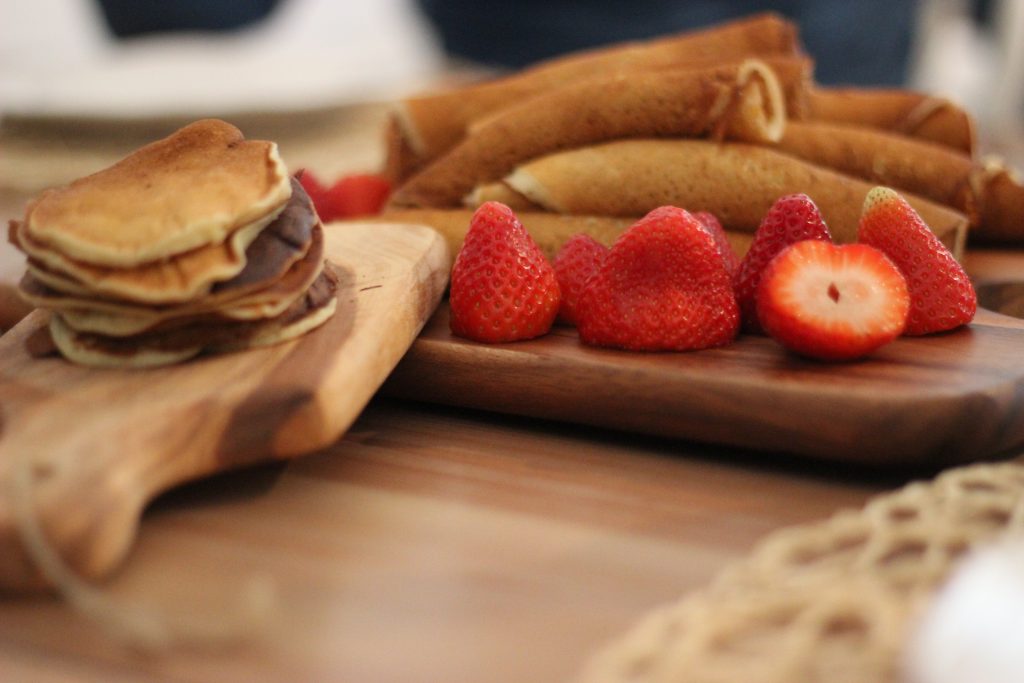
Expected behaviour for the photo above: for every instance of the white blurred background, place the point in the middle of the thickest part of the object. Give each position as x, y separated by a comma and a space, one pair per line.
58, 57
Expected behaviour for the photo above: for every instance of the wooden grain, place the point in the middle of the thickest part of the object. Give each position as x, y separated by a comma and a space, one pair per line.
103, 442
434, 544
941, 399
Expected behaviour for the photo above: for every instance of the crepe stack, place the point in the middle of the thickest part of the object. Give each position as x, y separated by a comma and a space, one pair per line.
197, 242
723, 120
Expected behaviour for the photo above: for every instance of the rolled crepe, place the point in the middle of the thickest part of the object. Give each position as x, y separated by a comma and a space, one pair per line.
431, 124
741, 101
1002, 213
933, 171
988, 194
549, 230
736, 182
914, 114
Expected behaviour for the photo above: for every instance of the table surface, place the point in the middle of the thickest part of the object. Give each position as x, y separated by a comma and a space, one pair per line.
435, 544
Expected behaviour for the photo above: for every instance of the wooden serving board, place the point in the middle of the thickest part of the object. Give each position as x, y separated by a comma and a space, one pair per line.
943, 399
102, 443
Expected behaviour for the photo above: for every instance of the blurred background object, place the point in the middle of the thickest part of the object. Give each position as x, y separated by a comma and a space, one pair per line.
61, 58
973, 52
974, 628
127, 18
849, 41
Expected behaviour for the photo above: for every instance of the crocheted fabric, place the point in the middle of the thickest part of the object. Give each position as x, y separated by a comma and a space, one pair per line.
831, 601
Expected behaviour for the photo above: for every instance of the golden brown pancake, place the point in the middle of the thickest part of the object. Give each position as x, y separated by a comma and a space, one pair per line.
189, 190
312, 309
179, 278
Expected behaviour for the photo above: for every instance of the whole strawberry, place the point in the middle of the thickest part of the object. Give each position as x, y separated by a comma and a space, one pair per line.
502, 287
791, 219
714, 226
317, 193
832, 302
662, 287
941, 295
576, 262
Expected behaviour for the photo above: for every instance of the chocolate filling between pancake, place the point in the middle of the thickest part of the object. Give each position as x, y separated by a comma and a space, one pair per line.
318, 295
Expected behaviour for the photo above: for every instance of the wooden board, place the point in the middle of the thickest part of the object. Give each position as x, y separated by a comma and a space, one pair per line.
942, 399
102, 443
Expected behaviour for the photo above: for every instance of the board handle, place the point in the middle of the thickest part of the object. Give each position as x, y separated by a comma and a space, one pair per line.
86, 487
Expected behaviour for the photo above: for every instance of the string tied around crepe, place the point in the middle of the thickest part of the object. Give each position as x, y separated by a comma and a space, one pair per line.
147, 628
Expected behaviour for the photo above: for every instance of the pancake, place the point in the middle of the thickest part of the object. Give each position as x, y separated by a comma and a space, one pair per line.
738, 183
189, 190
739, 101
179, 278
166, 347
243, 298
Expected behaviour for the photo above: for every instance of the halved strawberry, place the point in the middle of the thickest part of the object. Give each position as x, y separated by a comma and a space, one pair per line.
502, 287
791, 219
714, 226
941, 295
575, 263
662, 287
832, 302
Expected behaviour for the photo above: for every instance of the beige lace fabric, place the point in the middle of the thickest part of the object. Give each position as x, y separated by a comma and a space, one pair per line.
831, 601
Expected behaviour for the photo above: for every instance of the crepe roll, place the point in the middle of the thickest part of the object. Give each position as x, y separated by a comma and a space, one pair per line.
989, 195
431, 124
1002, 214
931, 170
741, 101
549, 230
736, 182
917, 115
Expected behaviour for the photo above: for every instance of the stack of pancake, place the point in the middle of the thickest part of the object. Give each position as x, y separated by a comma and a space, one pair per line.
197, 242
724, 120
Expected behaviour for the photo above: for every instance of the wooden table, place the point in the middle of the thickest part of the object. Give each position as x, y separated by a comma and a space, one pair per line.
434, 544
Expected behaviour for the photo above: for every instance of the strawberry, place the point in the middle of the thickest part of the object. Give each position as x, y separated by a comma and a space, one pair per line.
832, 302
349, 197
577, 260
714, 226
662, 287
361, 194
790, 219
941, 295
502, 287
316, 190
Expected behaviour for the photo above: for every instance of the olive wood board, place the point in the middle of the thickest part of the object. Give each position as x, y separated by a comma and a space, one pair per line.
102, 443
947, 398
